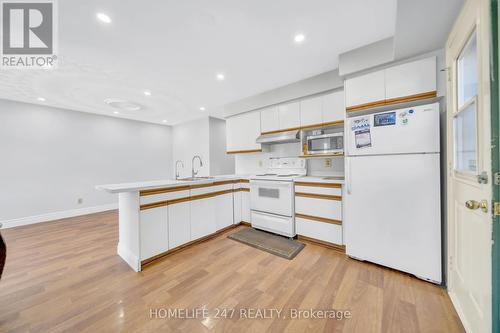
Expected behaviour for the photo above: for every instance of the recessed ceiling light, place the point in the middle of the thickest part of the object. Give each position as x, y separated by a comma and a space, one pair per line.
202, 108
220, 76
116, 112
123, 105
41, 99
299, 38
164, 120
103, 17
147, 92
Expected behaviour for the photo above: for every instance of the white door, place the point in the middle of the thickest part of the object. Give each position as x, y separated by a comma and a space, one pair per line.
245, 207
179, 224
154, 232
271, 197
333, 107
223, 210
311, 111
269, 119
289, 115
392, 212
468, 121
202, 218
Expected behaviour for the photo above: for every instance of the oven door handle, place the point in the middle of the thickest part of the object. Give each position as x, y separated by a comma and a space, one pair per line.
269, 184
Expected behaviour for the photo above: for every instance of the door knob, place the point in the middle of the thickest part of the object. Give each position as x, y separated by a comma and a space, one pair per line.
473, 204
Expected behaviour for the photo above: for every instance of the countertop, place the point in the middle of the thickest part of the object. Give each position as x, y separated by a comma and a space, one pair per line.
321, 179
147, 185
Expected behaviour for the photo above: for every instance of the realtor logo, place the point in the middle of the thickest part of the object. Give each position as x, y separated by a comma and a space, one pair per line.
28, 34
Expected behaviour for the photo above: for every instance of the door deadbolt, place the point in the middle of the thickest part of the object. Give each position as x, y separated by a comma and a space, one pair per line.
473, 204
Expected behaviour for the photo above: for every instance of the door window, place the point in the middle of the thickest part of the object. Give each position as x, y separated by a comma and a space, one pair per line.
465, 119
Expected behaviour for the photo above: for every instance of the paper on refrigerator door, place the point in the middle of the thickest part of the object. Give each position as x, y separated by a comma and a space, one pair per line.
362, 135
363, 138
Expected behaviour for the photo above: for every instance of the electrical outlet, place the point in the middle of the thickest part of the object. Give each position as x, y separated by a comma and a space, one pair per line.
328, 163
79, 201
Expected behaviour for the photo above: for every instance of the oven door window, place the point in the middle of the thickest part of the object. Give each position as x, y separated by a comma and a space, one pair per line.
269, 192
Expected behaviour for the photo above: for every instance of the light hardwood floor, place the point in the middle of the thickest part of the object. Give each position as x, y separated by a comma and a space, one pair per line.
65, 276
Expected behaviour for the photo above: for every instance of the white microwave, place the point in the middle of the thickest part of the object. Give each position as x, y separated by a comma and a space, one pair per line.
332, 143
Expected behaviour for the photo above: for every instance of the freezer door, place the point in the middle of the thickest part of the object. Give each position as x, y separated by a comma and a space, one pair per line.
392, 212
409, 130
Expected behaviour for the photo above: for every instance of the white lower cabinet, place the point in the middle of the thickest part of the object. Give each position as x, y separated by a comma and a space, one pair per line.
329, 209
202, 217
237, 218
179, 224
154, 231
245, 207
223, 205
331, 233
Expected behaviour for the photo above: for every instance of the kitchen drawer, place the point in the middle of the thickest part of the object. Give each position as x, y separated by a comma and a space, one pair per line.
327, 232
273, 223
319, 190
325, 208
210, 189
146, 199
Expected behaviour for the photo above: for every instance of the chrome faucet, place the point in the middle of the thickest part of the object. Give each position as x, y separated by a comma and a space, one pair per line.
176, 170
193, 173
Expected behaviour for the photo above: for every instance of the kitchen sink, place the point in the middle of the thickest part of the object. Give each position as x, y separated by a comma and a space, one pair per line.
192, 179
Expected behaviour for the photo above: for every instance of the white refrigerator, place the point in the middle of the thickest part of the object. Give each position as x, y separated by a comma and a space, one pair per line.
392, 206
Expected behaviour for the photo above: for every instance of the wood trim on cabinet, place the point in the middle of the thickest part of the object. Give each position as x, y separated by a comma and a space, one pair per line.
411, 98
318, 219
321, 155
242, 189
282, 130
148, 261
189, 187
313, 184
184, 199
209, 195
336, 247
319, 196
365, 106
178, 200
164, 190
244, 151
154, 205
391, 101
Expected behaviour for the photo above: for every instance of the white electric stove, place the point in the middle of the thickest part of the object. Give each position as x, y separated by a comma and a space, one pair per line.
272, 196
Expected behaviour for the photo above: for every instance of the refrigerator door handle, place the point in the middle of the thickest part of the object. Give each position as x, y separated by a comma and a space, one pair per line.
348, 175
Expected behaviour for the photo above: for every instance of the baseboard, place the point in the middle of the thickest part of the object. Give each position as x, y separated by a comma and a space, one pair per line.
459, 311
55, 216
132, 260
336, 247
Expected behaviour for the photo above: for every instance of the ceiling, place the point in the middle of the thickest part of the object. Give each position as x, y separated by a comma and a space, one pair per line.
175, 48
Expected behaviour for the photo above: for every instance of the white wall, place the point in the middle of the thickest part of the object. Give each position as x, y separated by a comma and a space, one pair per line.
221, 163
205, 137
52, 157
190, 139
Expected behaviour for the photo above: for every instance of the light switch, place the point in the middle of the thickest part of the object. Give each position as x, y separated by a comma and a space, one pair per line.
328, 162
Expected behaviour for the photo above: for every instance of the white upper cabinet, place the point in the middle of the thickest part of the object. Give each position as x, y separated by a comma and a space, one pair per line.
242, 130
333, 107
412, 78
311, 111
405, 80
269, 119
365, 89
289, 115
